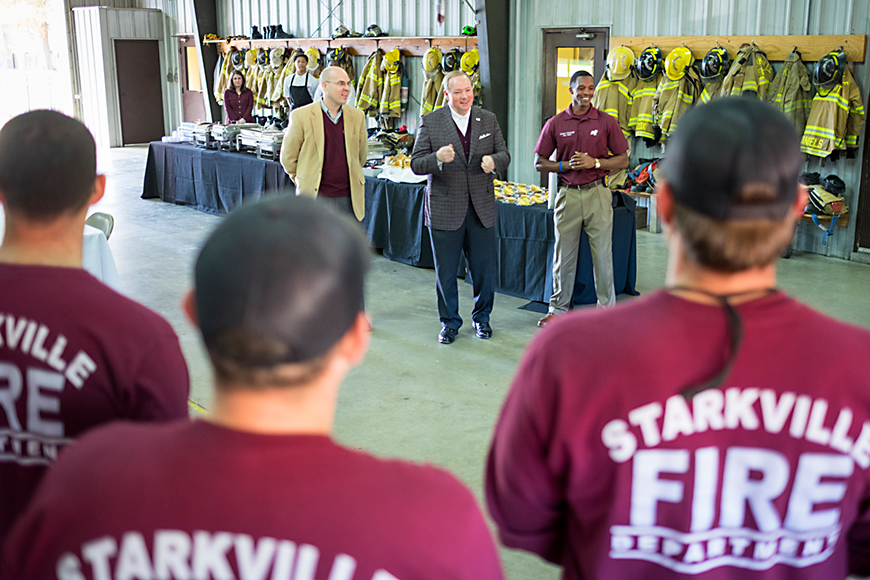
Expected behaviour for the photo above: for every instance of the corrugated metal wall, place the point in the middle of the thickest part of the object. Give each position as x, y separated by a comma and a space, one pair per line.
680, 18
318, 18
96, 30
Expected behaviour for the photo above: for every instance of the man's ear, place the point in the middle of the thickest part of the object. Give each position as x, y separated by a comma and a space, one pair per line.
355, 343
664, 202
188, 304
99, 189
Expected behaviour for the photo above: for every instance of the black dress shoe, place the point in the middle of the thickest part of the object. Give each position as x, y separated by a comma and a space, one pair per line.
483, 330
447, 335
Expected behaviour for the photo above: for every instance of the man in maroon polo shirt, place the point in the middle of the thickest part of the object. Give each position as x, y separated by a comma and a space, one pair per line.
325, 147
588, 144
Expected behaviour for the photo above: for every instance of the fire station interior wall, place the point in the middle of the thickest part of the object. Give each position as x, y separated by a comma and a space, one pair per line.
96, 30
682, 18
314, 19
176, 17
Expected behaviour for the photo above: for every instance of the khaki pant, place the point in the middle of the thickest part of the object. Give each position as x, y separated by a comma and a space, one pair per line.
577, 210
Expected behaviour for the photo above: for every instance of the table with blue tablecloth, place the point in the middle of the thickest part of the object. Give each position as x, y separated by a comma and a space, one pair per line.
218, 182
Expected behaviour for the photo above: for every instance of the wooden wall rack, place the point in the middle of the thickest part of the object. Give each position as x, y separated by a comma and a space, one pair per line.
777, 48
362, 46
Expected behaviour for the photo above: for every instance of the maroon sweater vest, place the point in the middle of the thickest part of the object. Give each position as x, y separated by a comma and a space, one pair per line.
466, 139
335, 176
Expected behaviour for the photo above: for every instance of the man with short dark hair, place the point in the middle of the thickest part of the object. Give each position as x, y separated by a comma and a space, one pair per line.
459, 147
325, 147
707, 431
259, 489
74, 353
588, 144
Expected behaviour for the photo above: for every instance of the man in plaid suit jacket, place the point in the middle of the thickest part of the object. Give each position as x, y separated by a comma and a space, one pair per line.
459, 147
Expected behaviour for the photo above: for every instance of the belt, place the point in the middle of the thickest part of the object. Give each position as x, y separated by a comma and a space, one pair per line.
590, 185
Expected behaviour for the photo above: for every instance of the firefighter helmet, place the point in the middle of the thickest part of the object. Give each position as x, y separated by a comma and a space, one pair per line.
374, 31
469, 61
619, 63
677, 62
251, 57
649, 64
715, 64
313, 58
263, 58
432, 60
341, 32
829, 70
336, 56
276, 57
835, 185
237, 59
391, 60
450, 60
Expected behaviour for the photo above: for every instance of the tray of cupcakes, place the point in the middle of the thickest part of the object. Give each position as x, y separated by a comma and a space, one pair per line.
519, 193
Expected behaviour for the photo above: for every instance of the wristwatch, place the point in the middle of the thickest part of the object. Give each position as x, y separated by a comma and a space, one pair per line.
597, 164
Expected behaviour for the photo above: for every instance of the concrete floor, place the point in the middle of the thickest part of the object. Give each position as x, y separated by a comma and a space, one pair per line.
413, 397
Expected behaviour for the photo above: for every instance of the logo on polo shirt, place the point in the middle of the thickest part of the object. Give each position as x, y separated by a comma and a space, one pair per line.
566, 134
593, 132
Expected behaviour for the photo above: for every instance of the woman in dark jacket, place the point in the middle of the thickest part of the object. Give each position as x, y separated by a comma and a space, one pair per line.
239, 100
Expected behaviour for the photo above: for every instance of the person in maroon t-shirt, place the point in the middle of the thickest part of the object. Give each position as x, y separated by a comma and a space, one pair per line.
702, 433
74, 353
258, 489
588, 144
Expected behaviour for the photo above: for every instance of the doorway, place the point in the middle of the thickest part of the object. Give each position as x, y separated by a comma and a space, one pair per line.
567, 50
192, 101
140, 95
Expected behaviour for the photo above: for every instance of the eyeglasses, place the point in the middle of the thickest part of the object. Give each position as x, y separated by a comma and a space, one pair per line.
342, 84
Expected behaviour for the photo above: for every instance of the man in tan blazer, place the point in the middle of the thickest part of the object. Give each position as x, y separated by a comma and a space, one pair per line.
325, 148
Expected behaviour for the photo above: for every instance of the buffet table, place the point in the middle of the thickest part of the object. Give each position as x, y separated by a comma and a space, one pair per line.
217, 182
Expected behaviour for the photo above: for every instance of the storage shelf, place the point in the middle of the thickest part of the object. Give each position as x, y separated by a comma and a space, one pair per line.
407, 45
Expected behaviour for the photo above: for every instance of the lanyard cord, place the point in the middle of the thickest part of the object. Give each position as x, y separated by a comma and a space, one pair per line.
735, 332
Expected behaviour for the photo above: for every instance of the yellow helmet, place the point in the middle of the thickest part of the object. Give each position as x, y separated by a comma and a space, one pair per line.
677, 62
276, 58
432, 59
619, 63
391, 60
469, 61
313, 58
251, 57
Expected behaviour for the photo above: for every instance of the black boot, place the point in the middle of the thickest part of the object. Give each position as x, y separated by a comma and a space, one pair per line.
255, 34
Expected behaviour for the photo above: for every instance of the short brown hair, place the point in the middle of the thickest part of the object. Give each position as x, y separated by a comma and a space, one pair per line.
732, 246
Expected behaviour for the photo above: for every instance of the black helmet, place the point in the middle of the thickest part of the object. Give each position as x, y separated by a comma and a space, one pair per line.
715, 64
829, 70
835, 185
373, 31
336, 56
810, 178
341, 32
263, 58
649, 63
450, 60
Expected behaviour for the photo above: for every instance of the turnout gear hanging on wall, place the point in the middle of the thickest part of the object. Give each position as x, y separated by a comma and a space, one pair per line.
835, 120
713, 68
469, 64
391, 91
791, 92
649, 64
614, 98
434, 77
640, 119
673, 98
372, 83
221, 81
750, 74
